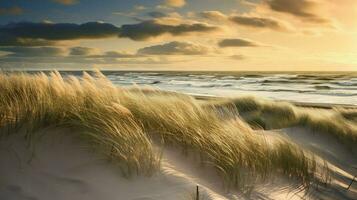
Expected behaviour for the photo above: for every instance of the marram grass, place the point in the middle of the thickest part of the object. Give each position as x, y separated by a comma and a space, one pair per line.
339, 123
90, 105
127, 125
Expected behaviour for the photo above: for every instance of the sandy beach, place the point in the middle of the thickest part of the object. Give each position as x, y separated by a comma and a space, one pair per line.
178, 100
55, 160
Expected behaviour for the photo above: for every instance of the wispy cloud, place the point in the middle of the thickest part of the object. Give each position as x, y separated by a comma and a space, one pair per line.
237, 42
82, 51
304, 9
10, 40
140, 7
237, 57
244, 20
156, 14
175, 48
258, 22
34, 51
213, 15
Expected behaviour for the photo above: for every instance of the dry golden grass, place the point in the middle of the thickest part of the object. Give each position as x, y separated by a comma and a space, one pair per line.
340, 123
90, 105
124, 123
349, 114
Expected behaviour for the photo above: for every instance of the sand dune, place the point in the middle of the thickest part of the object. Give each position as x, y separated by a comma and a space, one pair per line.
87, 139
61, 167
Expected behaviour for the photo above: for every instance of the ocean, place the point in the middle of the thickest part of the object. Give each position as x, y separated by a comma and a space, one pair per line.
309, 87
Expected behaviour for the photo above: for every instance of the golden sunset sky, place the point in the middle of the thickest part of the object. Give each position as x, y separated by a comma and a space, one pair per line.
253, 35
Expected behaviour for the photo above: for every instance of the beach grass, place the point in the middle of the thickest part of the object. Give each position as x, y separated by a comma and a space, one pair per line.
127, 126
259, 113
89, 105
349, 114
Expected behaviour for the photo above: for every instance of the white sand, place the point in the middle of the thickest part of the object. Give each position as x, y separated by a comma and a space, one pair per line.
62, 169
341, 161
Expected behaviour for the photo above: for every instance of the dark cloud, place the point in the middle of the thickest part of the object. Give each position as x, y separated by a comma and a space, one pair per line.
174, 48
81, 51
156, 14
148, 29
258, 22
59, 31
70, 53
33, 51
11, 11
37, 34
8, 40
237, 43
93, 53
117, 54
299, 8
48, 55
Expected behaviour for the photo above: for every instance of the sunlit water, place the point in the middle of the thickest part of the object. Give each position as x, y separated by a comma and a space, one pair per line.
337, 88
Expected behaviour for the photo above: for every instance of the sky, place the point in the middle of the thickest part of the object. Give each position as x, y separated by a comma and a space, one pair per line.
193, 35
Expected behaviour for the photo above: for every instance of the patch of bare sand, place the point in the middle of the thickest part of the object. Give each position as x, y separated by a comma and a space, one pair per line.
61, 168
341, 161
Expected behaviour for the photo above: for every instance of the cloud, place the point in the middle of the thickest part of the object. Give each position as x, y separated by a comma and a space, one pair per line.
8, 40
34, 51
156, 14
237, 57
79, 52
59, 31
244, 20
174, 48
87, 52
258, 22
53, 55
175, 3
213, 15
82, 51
11, 11
66, 2
237, 43
248, 3
151, 28
117, 54
37, 34
300, 8
139, 7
